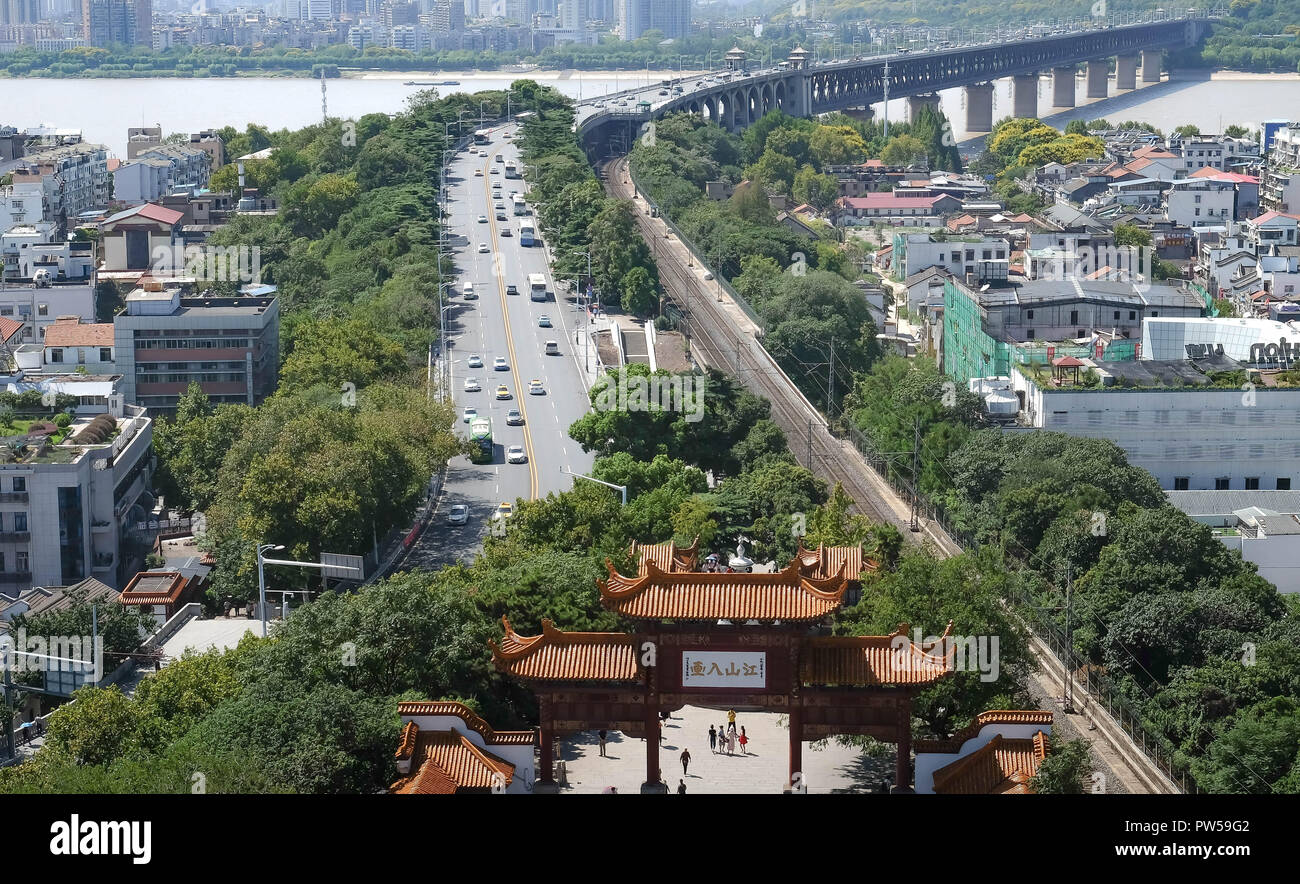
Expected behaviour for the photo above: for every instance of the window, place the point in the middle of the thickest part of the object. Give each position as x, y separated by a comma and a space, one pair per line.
1132, 314
1029, 314
20, 561
1030, 334
1221, 484
1252, 483
1155, 313
20, 522
42, 309
56, 355
20, 483
1284, 484
1180, 483
105, 354
1117, 314
1074, 317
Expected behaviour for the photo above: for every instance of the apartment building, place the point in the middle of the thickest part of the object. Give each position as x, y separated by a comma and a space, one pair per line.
1279, 186
72, 179
163, 341
1200, 202
68, 510
27, 249
983, 257
39, 307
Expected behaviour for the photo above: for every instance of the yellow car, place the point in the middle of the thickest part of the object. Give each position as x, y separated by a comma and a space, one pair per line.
503, 392
504, 511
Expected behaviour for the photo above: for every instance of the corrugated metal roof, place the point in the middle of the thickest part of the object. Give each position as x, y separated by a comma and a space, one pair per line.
1225, 503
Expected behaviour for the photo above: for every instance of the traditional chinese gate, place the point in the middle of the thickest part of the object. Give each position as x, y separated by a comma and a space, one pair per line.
755, 641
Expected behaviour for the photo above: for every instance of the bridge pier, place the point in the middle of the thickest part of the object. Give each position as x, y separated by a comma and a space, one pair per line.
979, 107
916, 102
1150, 66
1063, 87
1126, 72
1024, 96
1098, 82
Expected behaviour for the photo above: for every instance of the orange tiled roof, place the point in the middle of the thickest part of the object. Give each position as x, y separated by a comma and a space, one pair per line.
826, 561
173, 581
566, 656
999, 767
72, 333
465, 714
872, 660
661, 595
667, 556
9, 328
447, 762
991, 716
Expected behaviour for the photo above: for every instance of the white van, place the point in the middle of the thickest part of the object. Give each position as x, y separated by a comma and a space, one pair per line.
552, 348
467, 291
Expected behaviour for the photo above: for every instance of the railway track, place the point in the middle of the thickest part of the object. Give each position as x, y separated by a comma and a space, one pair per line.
725, 340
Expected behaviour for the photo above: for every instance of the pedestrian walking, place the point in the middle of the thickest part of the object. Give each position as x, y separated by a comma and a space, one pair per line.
686, 760
681, 787
713, 739
731, 742
603, 734
743, 740
731, 720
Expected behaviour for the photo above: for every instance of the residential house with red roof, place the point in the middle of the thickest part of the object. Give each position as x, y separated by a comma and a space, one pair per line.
131, 239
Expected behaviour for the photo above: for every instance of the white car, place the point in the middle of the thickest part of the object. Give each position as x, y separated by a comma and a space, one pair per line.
505, 231
482, 219
500, 364
515, 454
708, 275
472, 385
470, 413
476, 361
483, 248
535, 388
478, 173
458, 514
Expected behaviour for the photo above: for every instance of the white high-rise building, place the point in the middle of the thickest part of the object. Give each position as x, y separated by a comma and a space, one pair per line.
573, 14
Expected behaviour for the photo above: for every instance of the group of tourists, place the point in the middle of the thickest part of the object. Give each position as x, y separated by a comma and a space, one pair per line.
726, 739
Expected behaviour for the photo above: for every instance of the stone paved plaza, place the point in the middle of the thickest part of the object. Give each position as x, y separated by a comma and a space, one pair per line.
828, 767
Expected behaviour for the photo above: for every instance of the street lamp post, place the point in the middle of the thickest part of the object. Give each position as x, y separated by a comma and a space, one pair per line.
622, 488
262, 549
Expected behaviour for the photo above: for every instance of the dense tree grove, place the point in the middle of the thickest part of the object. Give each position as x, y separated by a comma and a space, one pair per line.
1202, 647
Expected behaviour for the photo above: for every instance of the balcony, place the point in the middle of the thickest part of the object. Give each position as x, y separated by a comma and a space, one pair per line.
13, 496
101, 526
104, 561
15, 576
15, 537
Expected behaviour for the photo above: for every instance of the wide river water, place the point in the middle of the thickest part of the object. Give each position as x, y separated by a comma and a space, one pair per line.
104, 109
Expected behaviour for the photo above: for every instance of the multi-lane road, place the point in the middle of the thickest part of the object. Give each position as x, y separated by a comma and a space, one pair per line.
497, 324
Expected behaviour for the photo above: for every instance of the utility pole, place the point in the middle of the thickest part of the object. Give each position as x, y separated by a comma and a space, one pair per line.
830, 383
1068, 700
810, 445
916, 473
886, 104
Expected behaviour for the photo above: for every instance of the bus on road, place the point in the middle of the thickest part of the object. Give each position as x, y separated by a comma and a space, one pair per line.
512, 170
480, 433
537, 286
521, 205
483, 136
526, 236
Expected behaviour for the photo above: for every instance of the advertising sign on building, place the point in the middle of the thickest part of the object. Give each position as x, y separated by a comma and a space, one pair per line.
724, 669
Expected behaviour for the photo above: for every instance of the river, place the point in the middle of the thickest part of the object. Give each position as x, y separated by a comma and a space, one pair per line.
103, 109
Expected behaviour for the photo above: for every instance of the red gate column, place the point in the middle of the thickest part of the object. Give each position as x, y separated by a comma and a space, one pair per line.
652, 772
903, 763
546, 736
796, 781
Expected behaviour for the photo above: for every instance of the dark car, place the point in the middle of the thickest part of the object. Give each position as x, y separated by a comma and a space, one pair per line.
512, 290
